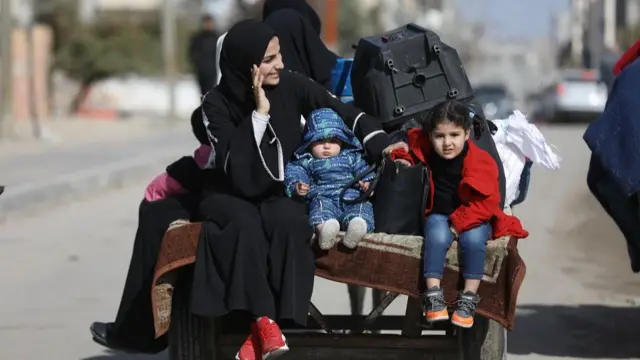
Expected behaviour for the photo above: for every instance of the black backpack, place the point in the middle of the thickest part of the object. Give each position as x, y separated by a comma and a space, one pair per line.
406, 71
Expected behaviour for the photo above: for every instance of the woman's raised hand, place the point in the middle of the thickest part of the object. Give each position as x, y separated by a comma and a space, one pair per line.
262, 103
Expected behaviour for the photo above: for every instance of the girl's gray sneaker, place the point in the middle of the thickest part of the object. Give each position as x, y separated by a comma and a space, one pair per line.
356, 230
328, 234
434, 306
466, 309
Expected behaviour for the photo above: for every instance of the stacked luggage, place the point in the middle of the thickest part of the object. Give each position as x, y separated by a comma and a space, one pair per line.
404, 72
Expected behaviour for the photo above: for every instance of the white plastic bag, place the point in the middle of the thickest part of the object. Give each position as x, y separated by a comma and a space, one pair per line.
516, 140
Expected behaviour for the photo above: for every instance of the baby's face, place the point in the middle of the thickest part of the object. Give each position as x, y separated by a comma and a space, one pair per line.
326, 148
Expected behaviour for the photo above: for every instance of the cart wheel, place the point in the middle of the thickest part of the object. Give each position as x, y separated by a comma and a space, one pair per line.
486, 340
191, 337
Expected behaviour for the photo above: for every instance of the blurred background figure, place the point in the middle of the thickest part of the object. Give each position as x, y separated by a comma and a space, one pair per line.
202, 53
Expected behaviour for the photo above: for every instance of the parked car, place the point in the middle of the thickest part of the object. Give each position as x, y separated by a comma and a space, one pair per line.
578, 96
495, 100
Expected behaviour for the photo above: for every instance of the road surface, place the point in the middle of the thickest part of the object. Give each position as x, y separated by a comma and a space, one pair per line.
60, 160
65, 268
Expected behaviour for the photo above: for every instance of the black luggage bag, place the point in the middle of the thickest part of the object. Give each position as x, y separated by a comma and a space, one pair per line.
406, 71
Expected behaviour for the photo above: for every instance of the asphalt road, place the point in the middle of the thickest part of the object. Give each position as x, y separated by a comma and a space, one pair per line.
64, 268
61, 160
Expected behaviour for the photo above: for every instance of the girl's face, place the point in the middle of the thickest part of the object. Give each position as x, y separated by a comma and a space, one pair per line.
448, 139
326, 148
271, 64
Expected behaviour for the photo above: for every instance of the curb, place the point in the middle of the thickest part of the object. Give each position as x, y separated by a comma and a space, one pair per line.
35, 196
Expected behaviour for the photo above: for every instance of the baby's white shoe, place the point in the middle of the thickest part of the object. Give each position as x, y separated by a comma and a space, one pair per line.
355, 232
328, 234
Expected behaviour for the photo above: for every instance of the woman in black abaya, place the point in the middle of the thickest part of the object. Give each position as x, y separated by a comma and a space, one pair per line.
302, 49
304, 52
253, 254
133, 329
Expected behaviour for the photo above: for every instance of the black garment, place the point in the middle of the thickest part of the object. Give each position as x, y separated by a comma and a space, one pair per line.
302, 49
446, 176
197, 126
202, 53
300, 6
134, 326
254, 257
244, 46
190, 176
253, 252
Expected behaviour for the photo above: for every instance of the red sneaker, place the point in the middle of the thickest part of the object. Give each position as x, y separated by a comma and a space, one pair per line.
272, 342
251, 349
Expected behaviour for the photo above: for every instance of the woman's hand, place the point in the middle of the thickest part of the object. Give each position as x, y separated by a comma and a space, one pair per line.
393, 147
262, 103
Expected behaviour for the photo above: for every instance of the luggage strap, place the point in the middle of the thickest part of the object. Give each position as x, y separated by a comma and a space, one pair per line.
365, 194
435, 47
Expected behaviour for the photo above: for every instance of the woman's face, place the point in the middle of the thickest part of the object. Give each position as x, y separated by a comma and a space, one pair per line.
271, 64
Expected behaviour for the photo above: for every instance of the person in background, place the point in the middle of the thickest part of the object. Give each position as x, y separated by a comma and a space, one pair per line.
312, 19
302, 7
302, 49
202, 54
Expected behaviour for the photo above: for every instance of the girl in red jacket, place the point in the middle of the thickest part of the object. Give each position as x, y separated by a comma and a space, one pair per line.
464, 204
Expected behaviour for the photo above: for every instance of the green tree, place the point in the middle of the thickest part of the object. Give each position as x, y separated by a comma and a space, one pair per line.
114, 44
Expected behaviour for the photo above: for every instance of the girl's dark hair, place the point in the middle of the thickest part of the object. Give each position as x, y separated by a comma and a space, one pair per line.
197, 126
453, 111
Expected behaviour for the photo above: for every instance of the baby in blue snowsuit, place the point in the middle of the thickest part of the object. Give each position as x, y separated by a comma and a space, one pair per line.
329, 158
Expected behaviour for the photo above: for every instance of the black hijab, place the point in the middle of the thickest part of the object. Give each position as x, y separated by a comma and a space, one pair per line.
300, 6
244, 46
302, 50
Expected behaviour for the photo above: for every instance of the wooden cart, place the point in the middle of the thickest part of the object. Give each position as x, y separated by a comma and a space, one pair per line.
326, 336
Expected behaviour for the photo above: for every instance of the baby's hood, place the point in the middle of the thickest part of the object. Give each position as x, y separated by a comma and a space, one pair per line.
327, 124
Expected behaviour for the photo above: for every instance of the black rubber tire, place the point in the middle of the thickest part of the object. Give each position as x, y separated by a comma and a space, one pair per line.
191, 337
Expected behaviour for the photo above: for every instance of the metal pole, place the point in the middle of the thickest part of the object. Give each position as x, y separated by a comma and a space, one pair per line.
6, 88
31, 69
595, 29
577, 26
610, 25
169, 54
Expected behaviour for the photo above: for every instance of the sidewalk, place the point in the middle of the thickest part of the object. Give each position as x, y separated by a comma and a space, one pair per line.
84, 157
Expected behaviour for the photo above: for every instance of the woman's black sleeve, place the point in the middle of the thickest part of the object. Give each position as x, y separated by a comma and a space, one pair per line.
367, 128
236, 150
